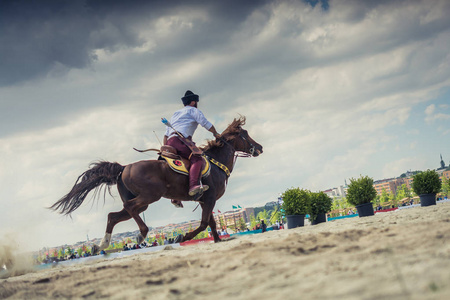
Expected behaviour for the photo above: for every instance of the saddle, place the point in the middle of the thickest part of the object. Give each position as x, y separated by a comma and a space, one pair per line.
180, 164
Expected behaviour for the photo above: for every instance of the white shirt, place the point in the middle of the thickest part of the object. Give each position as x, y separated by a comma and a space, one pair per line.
186, 120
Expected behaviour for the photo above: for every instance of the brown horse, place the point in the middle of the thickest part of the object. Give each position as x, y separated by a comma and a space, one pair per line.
144, 182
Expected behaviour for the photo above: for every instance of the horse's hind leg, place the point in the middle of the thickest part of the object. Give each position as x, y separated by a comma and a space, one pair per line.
141, 237
116, 217
134, 207
113, 219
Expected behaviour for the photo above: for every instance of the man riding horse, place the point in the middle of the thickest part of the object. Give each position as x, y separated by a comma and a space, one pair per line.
144, 182
184, 123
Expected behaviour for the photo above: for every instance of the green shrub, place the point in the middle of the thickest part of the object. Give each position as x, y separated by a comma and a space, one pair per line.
427, 182
320, 203
296, 201
361, 191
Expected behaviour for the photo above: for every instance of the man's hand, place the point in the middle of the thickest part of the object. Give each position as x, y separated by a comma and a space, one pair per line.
214, 131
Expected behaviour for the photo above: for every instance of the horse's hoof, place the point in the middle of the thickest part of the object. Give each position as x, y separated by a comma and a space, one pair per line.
105, 241
95, 249
179, 239
139, 239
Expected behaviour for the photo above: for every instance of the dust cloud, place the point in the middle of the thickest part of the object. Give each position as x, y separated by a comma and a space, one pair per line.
12, 261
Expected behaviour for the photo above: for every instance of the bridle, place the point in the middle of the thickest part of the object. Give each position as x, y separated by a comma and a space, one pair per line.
236, 153
251, 150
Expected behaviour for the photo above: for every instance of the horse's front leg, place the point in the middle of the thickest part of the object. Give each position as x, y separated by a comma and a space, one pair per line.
212, 225
207, 208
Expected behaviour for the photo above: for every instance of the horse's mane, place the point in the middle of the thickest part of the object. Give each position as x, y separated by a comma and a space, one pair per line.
227, 134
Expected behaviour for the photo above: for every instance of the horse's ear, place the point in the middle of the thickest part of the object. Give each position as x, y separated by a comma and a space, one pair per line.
242, 120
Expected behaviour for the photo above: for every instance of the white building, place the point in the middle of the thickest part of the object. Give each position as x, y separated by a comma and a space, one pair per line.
337, 192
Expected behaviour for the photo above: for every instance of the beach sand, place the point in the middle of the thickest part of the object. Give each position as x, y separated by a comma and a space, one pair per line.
404, 254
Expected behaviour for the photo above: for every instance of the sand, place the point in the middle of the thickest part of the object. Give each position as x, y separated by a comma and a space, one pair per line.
404, 254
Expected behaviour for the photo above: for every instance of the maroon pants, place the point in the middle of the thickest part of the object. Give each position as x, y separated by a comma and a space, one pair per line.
196, 161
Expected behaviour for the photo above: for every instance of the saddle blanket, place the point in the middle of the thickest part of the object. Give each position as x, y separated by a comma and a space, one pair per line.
179, 166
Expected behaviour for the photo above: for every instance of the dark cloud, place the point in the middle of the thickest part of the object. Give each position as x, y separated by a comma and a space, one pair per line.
49, 38
39, 37
36, 36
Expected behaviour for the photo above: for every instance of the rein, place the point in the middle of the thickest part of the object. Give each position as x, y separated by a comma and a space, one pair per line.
220, 165
236, 154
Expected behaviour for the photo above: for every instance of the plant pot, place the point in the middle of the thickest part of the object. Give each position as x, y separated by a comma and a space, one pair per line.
365, 209
321, 218
294, 221
427, 199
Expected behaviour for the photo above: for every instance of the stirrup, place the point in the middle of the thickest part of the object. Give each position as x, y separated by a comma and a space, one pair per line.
198, 189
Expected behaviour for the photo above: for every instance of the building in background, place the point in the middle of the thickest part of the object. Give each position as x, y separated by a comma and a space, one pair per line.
337, 193
230, 218
391, 185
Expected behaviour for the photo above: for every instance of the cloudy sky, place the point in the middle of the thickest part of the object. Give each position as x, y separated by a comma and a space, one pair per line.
331, 89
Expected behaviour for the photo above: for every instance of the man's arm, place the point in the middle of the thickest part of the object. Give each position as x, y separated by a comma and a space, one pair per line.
200, 118
213, 130
165, 140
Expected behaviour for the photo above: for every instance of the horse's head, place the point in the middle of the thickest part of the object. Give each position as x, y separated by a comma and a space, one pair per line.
244, 143
239, 138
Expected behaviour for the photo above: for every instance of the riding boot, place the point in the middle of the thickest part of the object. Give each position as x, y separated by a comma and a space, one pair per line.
194, 176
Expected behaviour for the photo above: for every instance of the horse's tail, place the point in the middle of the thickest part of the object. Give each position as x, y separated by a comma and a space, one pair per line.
99, 173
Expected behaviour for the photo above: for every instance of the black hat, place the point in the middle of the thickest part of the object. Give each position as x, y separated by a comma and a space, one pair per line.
188, 97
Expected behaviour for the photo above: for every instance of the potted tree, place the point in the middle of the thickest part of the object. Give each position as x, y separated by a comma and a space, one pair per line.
426, 185
320, 205
361, 193
296, 204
